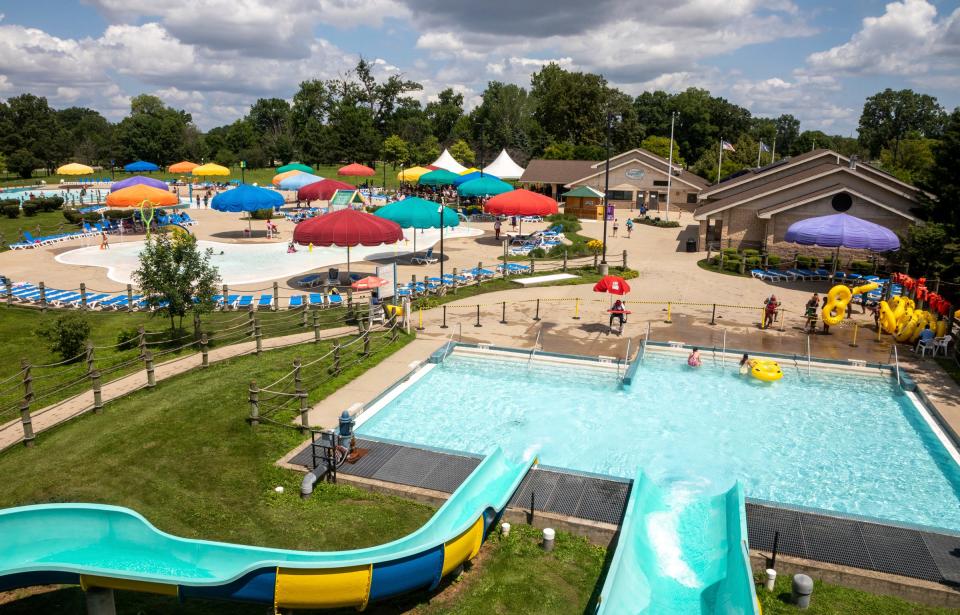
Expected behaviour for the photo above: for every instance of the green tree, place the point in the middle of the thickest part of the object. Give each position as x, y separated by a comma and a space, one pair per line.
308, 119
570, 106
89, 135
270, 120
890, 116
152, 131
175, 276
661, 147
444, 113
427, 151
505, 117
461, 151
914, 163
788, 131
66, 335
23, 162
558, 151
943, 178
28, 123
380, 98
395, 151
354, 137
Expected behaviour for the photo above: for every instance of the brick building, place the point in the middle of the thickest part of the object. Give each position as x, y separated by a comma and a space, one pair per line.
755, 209
636, 177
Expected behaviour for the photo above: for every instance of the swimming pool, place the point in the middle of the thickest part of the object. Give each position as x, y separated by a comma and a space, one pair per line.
71, 196
246, 263
843, 443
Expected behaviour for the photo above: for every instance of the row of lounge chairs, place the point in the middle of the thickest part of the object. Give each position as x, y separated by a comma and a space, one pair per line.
521, 246
92, 230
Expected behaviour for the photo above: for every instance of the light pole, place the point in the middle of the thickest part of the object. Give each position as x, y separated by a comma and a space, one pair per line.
243, 171
606, 188
673, 117
440, 211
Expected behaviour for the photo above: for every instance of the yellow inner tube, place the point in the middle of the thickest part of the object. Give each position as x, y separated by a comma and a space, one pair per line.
768, 371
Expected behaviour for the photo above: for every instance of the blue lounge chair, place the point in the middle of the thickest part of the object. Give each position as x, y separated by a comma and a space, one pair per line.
112, 302
426, 259
311, 280
245, 301
760, 274
265, 301
334, 299
317, 299
295, 301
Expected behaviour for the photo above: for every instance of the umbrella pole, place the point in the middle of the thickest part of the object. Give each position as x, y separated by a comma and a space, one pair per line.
348, 261
836, 257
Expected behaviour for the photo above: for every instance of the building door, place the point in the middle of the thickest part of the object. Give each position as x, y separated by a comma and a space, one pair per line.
641, 198
654, 200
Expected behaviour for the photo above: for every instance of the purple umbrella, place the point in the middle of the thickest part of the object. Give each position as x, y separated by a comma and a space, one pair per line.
842, 230
139, 179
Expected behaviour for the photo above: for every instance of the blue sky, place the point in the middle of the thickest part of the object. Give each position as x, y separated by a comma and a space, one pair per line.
815, 59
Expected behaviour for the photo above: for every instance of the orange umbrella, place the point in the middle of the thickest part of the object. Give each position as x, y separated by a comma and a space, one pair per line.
182, 167
356, 170
279, 177
141, 196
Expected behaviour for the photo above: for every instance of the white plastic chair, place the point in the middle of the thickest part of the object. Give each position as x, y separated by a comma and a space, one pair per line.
924, 345
942, 343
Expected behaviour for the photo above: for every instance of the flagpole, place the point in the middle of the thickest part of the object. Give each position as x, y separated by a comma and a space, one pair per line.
720, 161
773, 151
759, 149
673, 117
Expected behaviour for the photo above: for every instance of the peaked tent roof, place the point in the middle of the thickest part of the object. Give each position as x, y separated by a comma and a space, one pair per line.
584, 191
504, 167
447, 162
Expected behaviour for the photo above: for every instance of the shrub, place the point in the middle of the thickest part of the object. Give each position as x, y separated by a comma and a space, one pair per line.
50, 203
750, 252
595, 246
732, 265
538, 253
29, 209
773, 261
72, 216
11, 211
752, 262
66, 335
659, 223
861, 266
805, 262
90, 216
118, 214
713, 260
569, 223
730, 252
128, 339
262, 214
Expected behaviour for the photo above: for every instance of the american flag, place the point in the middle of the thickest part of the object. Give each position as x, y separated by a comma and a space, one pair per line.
727, 146
764, 147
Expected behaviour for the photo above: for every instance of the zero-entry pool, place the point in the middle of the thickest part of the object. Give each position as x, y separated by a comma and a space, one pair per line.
848, 443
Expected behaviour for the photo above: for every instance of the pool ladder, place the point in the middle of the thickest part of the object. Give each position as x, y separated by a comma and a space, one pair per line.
535, 344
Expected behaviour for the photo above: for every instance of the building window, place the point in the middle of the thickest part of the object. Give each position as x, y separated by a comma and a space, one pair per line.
660, 182
691, 197
621, 195
841, 202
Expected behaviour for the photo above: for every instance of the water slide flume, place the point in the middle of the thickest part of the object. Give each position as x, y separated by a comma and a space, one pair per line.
681, 553
111, 547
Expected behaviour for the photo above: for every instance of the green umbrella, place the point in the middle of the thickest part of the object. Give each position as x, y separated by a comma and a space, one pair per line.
440, 177
485, 186
414, 212
295, 166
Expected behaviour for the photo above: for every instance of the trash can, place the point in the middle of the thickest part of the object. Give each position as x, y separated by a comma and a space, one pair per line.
691, 244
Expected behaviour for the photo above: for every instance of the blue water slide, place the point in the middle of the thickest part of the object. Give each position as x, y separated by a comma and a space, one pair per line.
680, 552
111, 547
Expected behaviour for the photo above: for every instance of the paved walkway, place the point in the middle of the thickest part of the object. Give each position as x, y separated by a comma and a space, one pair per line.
45, 418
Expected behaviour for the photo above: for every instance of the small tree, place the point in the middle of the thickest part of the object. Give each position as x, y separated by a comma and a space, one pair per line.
175, 275
395, 150
66, 335
461, 151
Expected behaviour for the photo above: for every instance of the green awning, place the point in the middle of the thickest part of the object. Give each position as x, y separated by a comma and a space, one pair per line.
584, 191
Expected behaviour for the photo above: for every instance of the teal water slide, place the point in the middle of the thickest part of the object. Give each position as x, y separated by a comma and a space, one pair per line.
682, 553
99, 546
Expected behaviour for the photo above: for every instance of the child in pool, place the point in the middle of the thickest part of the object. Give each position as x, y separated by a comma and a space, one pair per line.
694, 359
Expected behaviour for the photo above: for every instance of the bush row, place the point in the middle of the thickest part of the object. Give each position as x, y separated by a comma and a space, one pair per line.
657, 222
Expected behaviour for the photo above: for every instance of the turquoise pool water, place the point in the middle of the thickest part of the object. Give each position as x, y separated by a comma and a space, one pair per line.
849, 444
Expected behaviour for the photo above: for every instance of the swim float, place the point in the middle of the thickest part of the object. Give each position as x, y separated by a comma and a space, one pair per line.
766, 370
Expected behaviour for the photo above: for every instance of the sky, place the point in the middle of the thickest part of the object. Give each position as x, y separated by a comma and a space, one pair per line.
815, 59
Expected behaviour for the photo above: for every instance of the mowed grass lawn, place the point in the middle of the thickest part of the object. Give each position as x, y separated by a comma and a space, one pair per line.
183, 456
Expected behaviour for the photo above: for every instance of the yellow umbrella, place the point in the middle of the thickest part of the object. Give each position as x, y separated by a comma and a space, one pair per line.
412, 174
74, 168
279, 177
210, 169
470, 170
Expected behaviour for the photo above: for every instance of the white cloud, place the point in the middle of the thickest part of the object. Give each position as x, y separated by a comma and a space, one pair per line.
907, 39
803, 96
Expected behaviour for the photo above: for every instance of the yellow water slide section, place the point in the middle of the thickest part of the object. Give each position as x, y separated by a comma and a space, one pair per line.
323, 588
463, 547
835, 310
164, 589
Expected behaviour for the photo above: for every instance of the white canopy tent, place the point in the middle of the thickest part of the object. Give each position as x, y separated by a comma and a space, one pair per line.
504, 167
448, 163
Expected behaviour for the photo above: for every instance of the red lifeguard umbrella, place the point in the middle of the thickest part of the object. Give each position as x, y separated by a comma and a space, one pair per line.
347, 228
322, 190
356, 170
613, 284
520, 203
369, 283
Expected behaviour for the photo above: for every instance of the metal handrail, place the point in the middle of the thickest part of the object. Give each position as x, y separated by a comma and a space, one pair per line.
896, 360
808, 354
626, 360
536, 342
723, 353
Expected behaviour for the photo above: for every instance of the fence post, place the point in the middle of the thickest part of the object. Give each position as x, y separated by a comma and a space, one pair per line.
28, 436
276, 296
9, 288
349, 303
564, 260
301, 394
226, 292
713, 315
478, 317
254, 399
83, 295
89, 357
576, 308
204, 350
316, 322
669, 311
532, 265
366, 343
43, 296
196, 325
142, 340
336, 359
148, 364
129, 297
251, 320
624, 260
97, 394
537, 315
479, 276
444, 325
503, 316
595, 256
258, 334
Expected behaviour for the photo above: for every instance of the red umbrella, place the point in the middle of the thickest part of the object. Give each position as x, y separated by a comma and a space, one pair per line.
347, 228
356, 170
322, 190
521, 203
613, 284
369, 283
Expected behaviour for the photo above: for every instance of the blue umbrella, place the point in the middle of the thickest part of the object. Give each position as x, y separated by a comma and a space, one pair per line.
471, 176
299, 180
140, 166
246, 198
